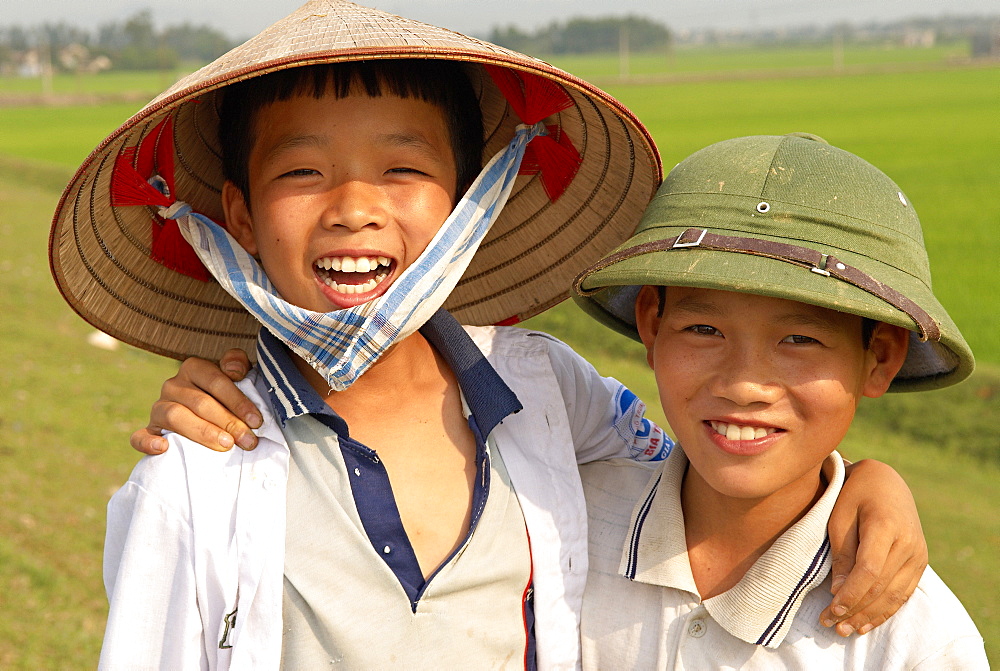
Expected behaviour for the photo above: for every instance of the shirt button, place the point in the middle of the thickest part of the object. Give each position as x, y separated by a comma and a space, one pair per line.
357, 471
386, 550
268, 483
697, 628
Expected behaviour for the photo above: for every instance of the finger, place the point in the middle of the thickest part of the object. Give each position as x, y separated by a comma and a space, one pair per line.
857, 582
200, 420
903, 568
868, 577
207, 377
235, 363
147, 442
886, 604
844, 543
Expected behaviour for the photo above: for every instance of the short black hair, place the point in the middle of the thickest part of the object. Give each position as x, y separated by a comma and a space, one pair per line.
868, 325
440, 82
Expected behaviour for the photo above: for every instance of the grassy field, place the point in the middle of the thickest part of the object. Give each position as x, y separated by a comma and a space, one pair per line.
66, 409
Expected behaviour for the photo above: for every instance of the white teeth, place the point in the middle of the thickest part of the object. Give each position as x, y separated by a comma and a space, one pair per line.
738, 432
356, 288
350, 264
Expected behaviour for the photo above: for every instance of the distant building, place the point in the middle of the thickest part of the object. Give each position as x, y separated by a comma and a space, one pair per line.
923, 39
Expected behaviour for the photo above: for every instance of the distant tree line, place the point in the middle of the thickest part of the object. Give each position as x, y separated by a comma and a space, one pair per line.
584, 35
132, 44
135, 43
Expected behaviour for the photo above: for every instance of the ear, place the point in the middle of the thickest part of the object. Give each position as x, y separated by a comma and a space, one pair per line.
238, 220
887, 352
647, 319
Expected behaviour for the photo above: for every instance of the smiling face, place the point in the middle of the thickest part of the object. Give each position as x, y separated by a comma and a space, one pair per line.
345, 194
760, 390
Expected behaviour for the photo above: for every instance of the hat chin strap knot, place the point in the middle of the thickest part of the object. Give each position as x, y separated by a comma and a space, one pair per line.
175, 211
815, 261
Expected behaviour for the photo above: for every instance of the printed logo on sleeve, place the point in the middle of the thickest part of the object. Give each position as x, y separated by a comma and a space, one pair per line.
646, 440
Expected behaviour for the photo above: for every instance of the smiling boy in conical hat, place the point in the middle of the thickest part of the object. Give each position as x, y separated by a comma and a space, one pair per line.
775, 281
331, 147
337, 179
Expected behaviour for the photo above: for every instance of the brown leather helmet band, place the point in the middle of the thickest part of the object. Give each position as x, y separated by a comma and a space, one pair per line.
817, 262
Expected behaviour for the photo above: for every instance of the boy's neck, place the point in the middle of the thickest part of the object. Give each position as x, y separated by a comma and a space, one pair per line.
410, 365
726, 535
408, 408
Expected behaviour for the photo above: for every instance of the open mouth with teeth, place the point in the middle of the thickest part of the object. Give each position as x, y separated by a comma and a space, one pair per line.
353, 274
741, 432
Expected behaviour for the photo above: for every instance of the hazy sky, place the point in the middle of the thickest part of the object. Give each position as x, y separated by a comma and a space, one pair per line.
243, 18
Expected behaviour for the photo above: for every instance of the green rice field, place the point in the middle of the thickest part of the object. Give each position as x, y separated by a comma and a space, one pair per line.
66, 408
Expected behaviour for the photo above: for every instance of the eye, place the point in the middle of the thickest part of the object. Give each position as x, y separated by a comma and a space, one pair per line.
300, 172
405, 171
799, 340
703, 329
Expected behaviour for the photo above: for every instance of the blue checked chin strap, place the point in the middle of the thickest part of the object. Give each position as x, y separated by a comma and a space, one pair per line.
342, 344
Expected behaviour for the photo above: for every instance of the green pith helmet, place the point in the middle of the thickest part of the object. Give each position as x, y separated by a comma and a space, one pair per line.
790, 217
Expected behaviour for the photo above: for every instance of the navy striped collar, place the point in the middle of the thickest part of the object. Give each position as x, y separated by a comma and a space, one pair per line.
487, 395
760, 608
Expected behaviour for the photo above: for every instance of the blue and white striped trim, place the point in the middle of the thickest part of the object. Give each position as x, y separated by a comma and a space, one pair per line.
342, 344
813, 576
632, 560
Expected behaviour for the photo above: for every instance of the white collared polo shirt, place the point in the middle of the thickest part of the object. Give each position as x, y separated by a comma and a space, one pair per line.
642, 609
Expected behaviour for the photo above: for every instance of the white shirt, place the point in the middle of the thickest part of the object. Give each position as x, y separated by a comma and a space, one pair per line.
642, 609
196, 534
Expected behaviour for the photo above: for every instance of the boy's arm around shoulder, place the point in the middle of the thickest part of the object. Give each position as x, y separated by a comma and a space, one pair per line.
606, 419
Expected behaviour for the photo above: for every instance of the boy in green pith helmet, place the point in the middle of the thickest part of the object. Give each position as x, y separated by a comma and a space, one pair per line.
775, 281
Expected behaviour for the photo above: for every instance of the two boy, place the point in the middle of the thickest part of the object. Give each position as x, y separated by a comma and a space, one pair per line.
775, 282
317, 546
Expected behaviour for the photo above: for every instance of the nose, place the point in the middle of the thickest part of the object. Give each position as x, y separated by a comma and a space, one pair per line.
354, 204
746, 376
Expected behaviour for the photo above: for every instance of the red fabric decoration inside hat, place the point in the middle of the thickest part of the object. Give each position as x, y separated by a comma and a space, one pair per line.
533, 98
171, 250
134, 166
546, 151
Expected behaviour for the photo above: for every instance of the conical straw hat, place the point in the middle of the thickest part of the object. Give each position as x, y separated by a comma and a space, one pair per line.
102, 255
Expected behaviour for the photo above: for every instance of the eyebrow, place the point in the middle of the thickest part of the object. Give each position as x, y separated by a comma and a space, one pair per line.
694, 306
399, 139
805, 319
295, 142
697, 307
413, 140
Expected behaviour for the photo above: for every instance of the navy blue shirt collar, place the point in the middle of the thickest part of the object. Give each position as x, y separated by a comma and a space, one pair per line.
489, 398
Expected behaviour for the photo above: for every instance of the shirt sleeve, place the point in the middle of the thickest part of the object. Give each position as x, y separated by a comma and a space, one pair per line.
153, 620
966, 653
606, 418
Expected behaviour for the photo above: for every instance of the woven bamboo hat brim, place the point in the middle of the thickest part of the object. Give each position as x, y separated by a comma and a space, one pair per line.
794, 218
100, 254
